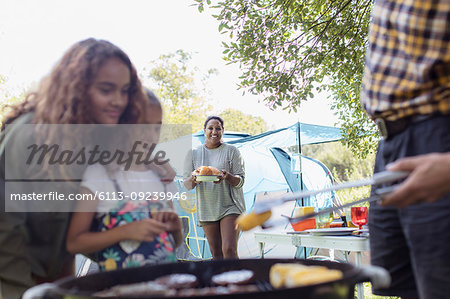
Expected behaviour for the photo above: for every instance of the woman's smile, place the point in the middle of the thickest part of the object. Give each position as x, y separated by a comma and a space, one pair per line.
213, 133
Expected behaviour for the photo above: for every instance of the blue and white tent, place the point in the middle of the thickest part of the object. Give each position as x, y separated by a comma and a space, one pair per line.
269, 169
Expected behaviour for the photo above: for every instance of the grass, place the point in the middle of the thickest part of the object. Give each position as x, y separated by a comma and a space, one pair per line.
368, 293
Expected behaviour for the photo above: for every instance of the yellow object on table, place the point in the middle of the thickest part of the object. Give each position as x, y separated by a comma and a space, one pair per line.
301, 211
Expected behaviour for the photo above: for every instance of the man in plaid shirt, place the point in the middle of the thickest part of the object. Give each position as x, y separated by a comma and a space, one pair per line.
406, 90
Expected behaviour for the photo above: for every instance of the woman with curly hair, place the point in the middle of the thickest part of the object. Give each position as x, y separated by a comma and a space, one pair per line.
93, 83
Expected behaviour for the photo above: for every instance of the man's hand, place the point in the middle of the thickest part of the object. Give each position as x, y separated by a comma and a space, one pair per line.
429, 179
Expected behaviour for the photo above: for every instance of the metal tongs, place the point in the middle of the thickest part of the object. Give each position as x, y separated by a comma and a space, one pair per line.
378, 179
377, 196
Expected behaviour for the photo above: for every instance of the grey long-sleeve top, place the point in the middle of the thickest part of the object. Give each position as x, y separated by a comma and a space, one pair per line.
215, 201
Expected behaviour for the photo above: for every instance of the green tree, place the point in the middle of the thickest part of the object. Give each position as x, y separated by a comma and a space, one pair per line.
289, 49
340, 160
344, 166
7, 98
236, 120
175, 82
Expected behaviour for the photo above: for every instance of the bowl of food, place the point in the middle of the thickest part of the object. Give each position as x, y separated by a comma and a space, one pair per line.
305, 224
207, 174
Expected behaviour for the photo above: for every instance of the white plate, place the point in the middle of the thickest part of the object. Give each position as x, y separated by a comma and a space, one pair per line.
338, 231
206, 178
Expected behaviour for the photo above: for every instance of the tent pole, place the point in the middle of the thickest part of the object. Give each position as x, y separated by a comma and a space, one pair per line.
300, 170
300, 161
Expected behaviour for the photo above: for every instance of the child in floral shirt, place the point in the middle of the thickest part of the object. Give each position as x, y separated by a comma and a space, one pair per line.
133, 231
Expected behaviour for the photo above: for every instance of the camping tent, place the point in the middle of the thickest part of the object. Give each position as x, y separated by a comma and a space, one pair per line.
269, 169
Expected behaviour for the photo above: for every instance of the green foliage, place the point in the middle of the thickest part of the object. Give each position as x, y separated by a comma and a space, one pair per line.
7, 98
368, 293
344, 166
287, 48
359, 132
236, 120
176, 84
341, 160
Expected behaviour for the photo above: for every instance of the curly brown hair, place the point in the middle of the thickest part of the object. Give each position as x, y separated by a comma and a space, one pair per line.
62, 98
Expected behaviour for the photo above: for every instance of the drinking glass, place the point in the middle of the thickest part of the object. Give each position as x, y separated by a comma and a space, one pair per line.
323, 220
348, 216
359, 216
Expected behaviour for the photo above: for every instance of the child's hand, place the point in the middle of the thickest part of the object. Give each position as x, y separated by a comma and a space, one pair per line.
143, 230
170, 218
169, 175
165, 172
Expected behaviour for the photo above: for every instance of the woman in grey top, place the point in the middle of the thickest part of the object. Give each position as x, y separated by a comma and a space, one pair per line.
219, 203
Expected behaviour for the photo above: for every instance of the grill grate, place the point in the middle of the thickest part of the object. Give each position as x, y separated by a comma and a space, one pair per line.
264, 285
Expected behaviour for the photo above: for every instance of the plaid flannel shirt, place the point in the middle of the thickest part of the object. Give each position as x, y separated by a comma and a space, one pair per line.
407, 68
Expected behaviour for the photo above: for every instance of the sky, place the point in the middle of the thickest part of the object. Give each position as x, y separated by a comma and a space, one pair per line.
35, 34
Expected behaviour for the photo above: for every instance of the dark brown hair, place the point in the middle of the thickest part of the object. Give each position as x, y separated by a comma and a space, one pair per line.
152, 98
213, 117
62, 98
